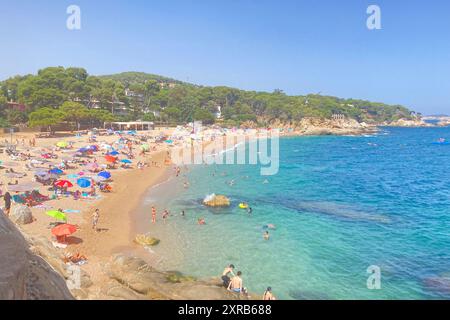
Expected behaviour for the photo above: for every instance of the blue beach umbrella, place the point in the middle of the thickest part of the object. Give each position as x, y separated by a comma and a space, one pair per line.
113, 153
84, 183
83, 150
126, 161
56, 171
105, 174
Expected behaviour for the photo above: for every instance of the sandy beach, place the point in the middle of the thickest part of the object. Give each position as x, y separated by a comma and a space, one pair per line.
115, 226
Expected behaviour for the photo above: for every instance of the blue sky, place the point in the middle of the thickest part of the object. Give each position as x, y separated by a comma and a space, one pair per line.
298, 46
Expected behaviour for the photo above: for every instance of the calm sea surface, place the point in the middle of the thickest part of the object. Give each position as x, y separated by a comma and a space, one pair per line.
339, 204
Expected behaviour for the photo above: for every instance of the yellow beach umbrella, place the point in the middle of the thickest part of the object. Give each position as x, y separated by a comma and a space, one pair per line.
62, 144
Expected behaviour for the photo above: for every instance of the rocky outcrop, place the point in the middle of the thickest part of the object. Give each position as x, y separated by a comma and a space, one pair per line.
318, 126
216, 201
21, 215
23, 274
409, 123
132, 278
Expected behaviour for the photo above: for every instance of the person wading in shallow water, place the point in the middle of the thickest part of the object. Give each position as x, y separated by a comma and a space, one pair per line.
235, 284
153, 215
268, 294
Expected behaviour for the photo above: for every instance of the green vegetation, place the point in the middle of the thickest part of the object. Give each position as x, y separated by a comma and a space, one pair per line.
58, 94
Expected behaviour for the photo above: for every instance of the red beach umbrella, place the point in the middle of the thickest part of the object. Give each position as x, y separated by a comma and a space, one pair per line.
64, 230
64, 184
110, 158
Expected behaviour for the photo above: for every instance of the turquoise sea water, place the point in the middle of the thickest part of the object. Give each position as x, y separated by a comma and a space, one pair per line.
340, 205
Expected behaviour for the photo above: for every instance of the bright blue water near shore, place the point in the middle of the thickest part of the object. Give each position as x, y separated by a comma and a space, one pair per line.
340, 204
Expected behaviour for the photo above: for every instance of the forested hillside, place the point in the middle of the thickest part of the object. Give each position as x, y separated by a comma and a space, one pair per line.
59, 94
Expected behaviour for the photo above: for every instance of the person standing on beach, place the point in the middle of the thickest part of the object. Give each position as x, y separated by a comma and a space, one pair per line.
95, 217
153, 215
7, 198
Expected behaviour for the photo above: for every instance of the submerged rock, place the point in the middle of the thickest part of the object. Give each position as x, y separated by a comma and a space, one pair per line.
439, 285
144, 240
217, 201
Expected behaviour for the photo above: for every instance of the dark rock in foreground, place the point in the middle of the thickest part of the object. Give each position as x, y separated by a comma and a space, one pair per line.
24, 275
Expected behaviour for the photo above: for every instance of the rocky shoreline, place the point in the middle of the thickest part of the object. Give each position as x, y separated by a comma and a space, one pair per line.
32, 269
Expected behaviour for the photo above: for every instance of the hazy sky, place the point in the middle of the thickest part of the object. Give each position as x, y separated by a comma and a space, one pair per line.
298, 46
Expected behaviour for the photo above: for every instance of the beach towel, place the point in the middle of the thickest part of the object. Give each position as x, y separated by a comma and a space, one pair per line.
59, 245
71, 211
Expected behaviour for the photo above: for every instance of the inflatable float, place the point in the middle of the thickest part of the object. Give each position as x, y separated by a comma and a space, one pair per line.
243, 206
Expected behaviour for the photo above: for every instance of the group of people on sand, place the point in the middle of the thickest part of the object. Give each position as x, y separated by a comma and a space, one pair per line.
234, 283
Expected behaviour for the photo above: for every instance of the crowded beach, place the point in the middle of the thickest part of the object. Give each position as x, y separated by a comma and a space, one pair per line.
79, 189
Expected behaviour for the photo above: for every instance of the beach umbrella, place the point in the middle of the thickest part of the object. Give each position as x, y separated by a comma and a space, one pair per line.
10, 164
64, 230
93, 147
98, 178
84, 150
13, 175
106, 146
92, 166
63, 184
126, 161
84, 183
169, 141
49, 176
56, 171
145, 147
110, 158
62, 144
25, 187
113, 153
105, 174
40, 173
58, 215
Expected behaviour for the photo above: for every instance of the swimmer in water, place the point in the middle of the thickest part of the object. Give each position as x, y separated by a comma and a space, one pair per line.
249, 210
201, 221
266, 235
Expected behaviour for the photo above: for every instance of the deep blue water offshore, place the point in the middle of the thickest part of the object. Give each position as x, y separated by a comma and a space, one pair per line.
339, 204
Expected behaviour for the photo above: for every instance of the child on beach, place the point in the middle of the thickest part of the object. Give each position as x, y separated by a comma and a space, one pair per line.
95, 217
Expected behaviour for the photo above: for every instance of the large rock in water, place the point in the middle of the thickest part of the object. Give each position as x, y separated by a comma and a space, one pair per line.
216, 201
21, 215
24, 275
